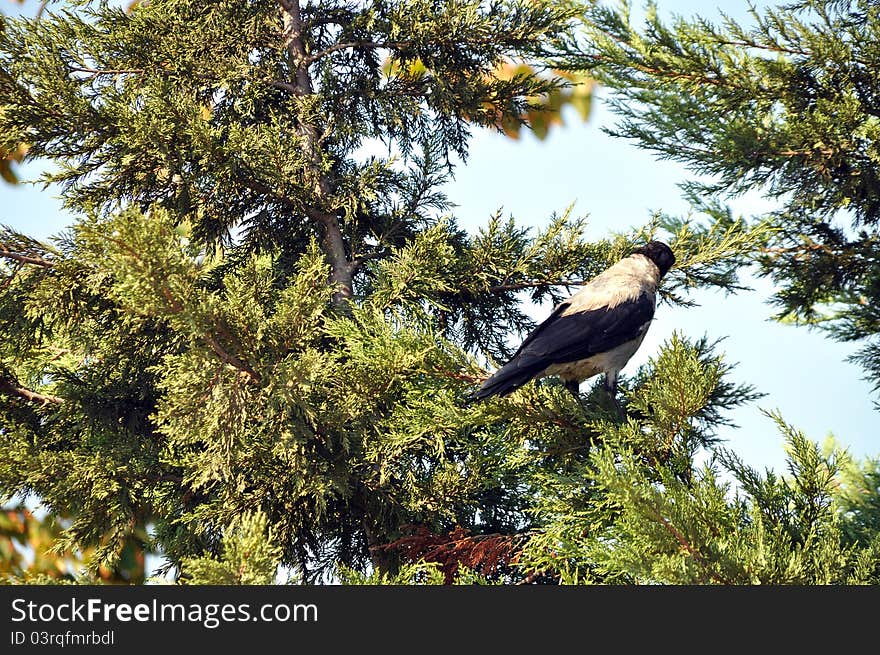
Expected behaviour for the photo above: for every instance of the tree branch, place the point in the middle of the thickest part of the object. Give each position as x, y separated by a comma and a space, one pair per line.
685, 544
177, 307
332, 240
108, 71
359, 260
296, 47
516, 286
9, 387
287, 86
531, 577
724, 82
366, 45
766, 46
231, 360
342, 270
25, 259
211, 341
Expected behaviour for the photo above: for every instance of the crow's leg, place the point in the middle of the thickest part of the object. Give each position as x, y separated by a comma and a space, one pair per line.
611, 388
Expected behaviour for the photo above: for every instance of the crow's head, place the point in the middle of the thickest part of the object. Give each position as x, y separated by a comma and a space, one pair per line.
659, 253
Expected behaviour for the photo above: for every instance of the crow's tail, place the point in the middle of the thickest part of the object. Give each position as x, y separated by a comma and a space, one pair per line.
506, 380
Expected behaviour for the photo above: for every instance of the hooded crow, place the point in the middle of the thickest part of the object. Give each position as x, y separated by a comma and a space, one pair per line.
597, 330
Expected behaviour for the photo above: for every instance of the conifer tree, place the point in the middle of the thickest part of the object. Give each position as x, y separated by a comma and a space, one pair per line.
251, 349
641, 511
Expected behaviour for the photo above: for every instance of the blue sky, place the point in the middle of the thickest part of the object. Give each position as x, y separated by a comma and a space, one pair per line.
804, 374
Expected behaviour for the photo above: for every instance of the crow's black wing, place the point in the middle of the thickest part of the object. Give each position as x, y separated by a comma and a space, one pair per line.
569, 337
578, 335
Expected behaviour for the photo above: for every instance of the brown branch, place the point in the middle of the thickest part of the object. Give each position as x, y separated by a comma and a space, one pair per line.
350, 45
765, 46
342, 270
173, 302
561, 422
675, 75
828, 152
59, 353
359, 260
163, 477
695, 553
564, 451
24, 259
211, 341
296, 47
801, 251
241, 364
287, 86
462, 376
9, 387
333, 244
233, 361
332, 241
531, 577
258, 187
537, 283
94, 72
177, 307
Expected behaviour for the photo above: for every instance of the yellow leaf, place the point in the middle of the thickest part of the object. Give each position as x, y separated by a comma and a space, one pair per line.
6, 172
538, 122
582, 104
510, 127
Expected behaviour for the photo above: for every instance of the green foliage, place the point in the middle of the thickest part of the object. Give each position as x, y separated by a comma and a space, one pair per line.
197, 388
640, 510
251, 350
858, 497
219, 121
417, 573
248, 556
